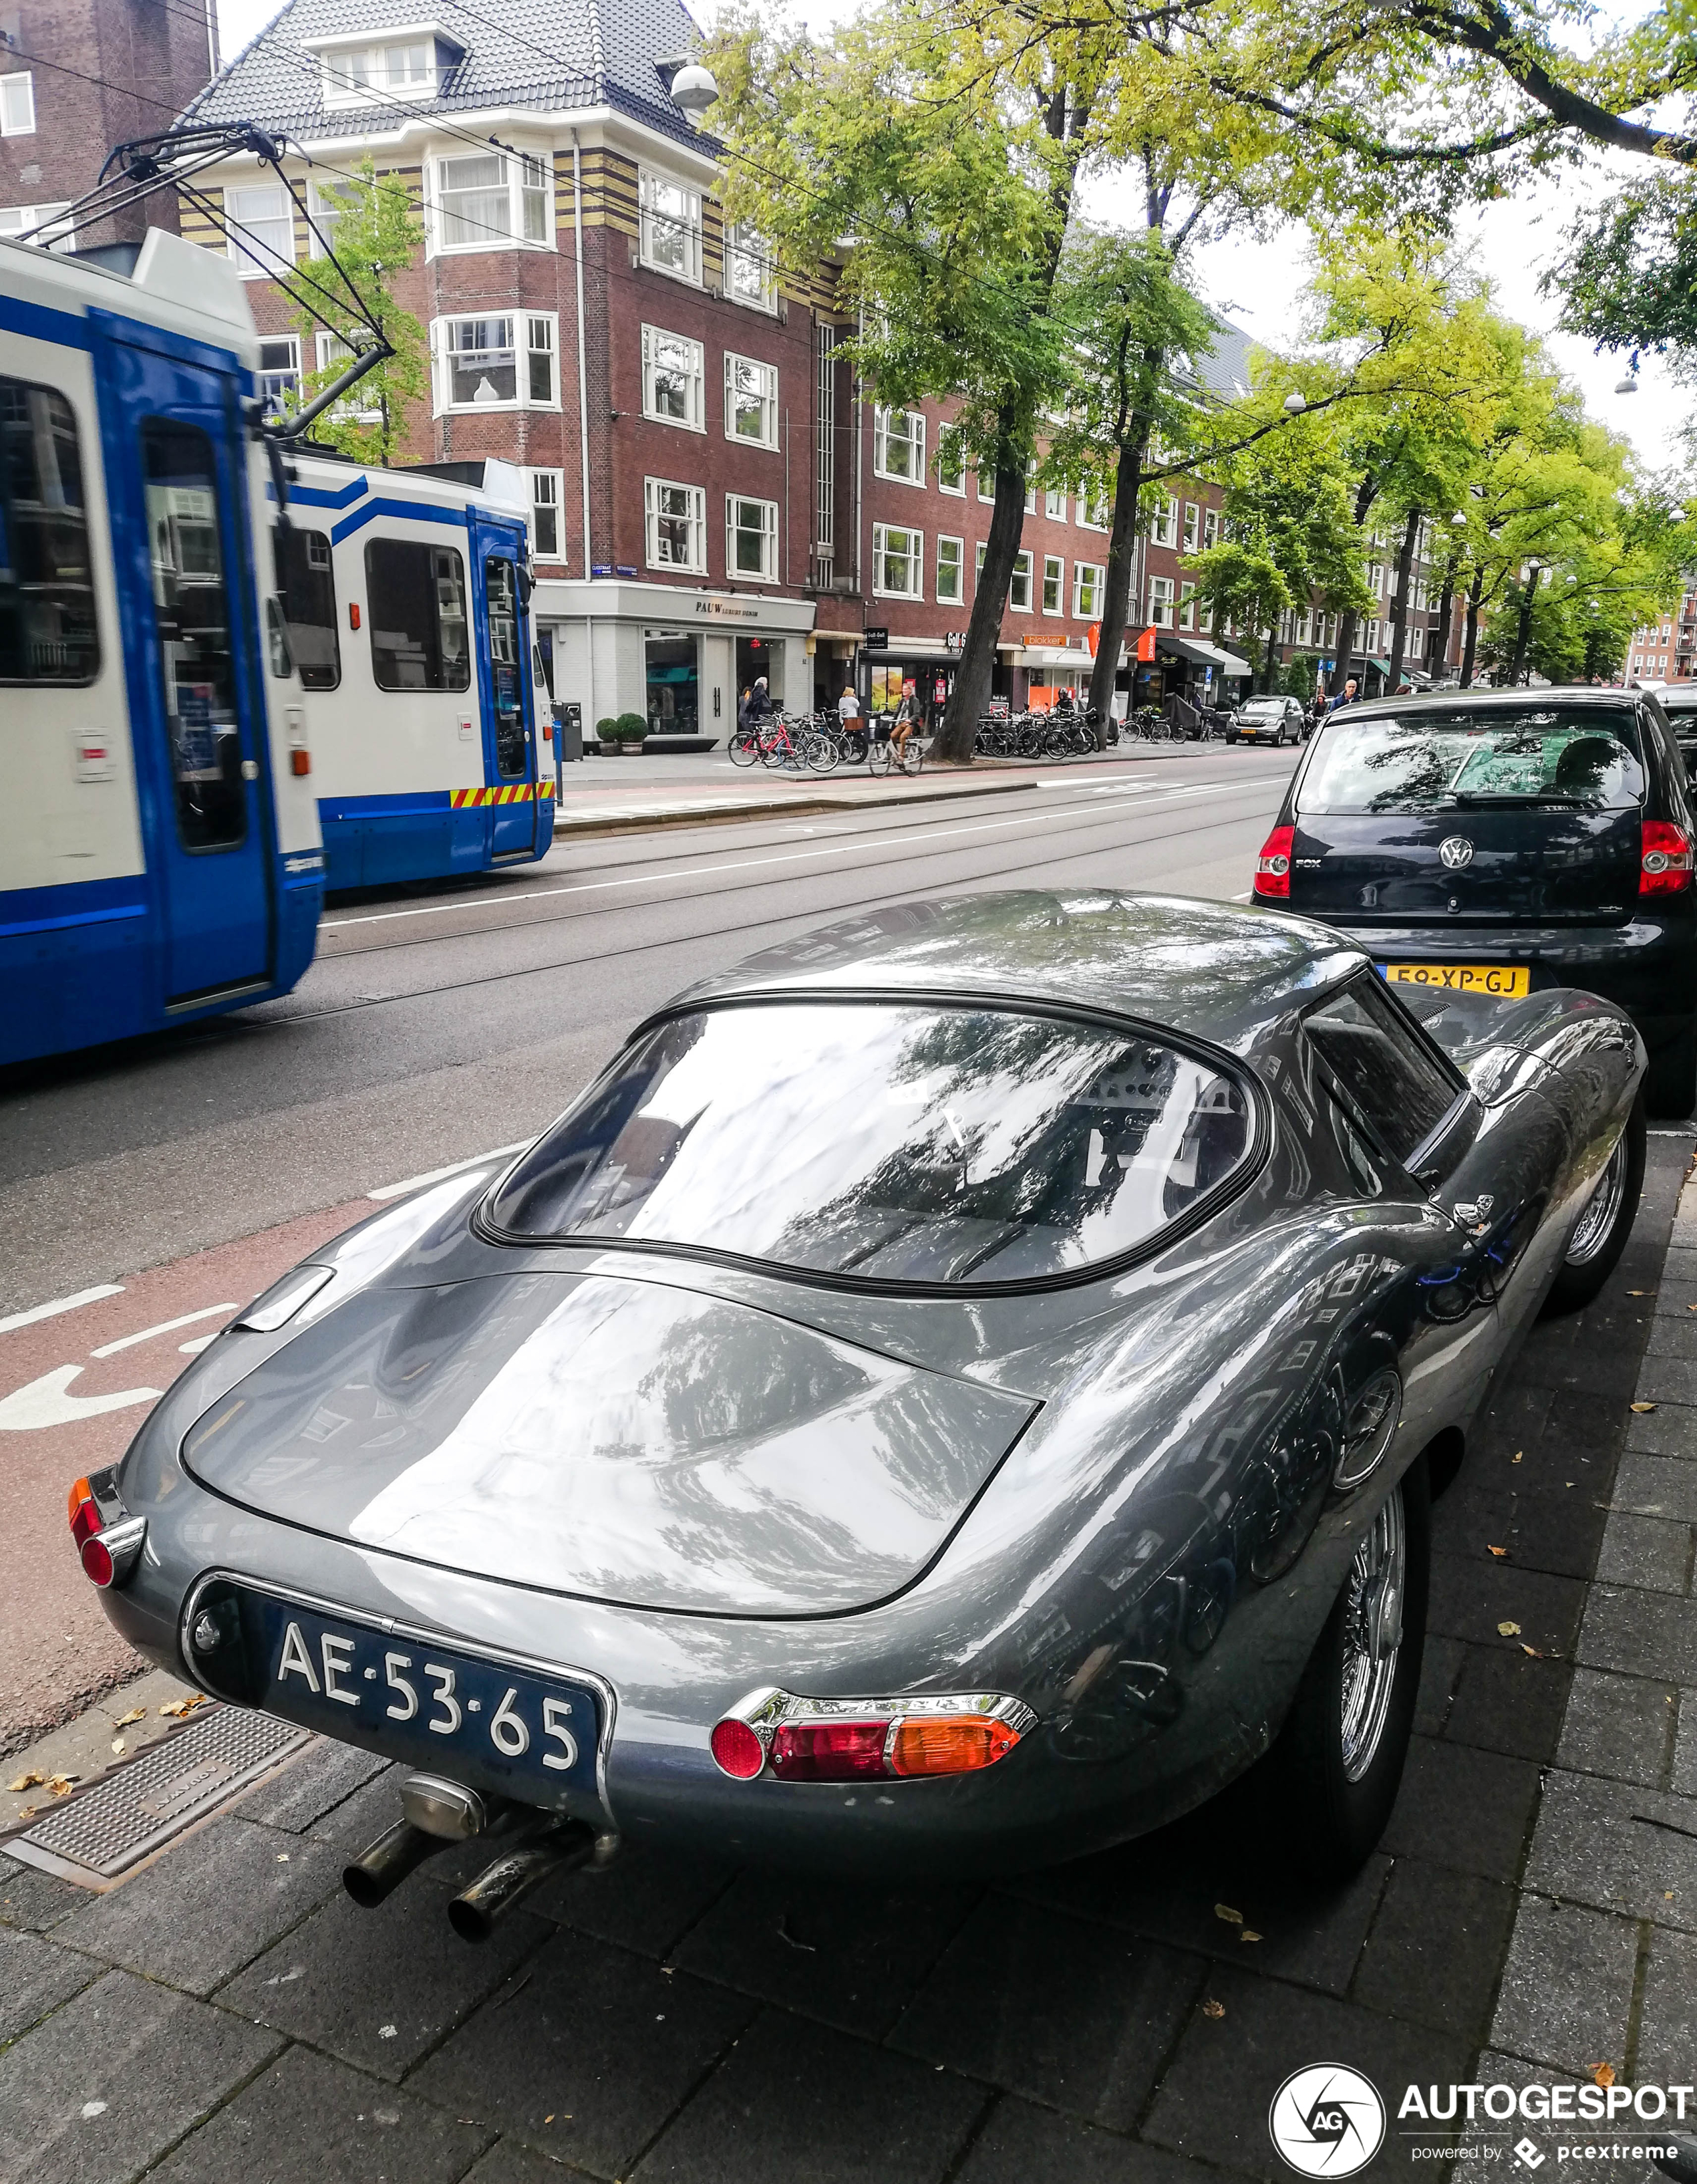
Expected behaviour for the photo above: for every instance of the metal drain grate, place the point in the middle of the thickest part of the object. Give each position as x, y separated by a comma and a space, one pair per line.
99, 1836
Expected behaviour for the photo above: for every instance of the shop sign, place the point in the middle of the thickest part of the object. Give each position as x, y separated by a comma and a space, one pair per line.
711, 609
876, 640
954, 640
998, 708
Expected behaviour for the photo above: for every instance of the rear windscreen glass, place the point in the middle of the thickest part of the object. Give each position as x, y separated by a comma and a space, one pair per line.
1584, 756
891, 1143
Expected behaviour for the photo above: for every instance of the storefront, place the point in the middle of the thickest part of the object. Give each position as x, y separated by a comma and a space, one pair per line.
1046, 671
887, 668
1203, 673
679, 657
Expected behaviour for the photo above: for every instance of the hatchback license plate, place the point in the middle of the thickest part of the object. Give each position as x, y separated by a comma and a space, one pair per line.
1501, 981
414, 1700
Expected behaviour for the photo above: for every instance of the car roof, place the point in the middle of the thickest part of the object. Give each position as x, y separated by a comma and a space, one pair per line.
1486, 700
1214, 969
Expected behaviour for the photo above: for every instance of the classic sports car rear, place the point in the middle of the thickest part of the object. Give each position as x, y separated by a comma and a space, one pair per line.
961, 1387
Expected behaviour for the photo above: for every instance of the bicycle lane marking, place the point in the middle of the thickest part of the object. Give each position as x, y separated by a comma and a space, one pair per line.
1141, 801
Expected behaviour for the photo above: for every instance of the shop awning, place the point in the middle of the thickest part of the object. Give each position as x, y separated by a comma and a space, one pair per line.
1073, 658
1200, 654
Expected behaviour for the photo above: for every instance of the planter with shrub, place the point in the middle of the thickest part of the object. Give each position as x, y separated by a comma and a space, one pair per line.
623, 737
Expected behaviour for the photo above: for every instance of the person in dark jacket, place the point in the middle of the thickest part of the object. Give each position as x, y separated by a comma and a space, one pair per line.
754, 705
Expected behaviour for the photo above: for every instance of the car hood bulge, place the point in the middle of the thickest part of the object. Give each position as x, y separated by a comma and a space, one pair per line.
621, 1440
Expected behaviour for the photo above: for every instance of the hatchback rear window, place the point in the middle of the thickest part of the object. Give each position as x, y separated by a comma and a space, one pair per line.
1443, 760
889, 1143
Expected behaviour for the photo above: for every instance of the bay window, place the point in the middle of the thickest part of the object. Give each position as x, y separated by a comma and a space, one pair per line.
486, 201
502, 360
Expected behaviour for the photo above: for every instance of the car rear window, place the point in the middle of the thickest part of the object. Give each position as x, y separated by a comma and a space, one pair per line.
1442, 760
1384, 1069
885, 1142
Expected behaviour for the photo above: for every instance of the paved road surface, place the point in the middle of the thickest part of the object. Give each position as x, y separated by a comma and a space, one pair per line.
187, 1172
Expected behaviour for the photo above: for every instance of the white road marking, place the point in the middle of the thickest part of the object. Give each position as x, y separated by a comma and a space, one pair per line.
858, 842
46, 1402
164, 1327
60, 1304
201, 1342
441, 1174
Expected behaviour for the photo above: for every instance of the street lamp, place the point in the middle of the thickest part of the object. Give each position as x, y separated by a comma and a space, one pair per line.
1628, 384
1293, 403
694, 89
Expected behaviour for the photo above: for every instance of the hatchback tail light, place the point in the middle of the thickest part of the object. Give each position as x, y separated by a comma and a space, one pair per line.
1272, 867
107, 1541
800, 1740
1664, 858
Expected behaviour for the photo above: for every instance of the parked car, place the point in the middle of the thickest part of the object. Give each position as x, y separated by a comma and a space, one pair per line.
1268, 720
954, 1392
1508, 842
1678, 702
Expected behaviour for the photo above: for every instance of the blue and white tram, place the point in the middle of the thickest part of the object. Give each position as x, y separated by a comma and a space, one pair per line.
159, 849
407, 593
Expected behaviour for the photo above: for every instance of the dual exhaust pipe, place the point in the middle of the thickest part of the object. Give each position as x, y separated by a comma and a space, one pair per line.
439, 1813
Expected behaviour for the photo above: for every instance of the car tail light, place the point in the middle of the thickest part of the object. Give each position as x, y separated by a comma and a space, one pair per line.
801, 1740
1664, 858
1272, 867
107, 1551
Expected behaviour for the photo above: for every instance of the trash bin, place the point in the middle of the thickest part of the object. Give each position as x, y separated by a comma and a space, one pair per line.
568, 733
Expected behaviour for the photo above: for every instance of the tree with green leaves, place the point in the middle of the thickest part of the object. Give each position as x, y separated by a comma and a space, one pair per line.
375, 233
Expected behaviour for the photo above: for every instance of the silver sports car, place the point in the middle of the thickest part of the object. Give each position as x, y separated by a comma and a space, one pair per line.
957, 1390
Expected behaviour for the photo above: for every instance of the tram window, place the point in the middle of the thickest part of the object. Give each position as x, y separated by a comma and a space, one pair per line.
47, 629
501, 583
192, 613
308, 584
416, 605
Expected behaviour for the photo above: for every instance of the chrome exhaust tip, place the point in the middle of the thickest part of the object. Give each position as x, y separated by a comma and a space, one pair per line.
474, 1912
381, 1870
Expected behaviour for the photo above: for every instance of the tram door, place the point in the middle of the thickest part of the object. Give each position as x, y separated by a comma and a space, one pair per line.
509, 738
172, 436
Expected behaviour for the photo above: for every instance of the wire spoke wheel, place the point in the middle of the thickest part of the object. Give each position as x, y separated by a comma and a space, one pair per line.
1372, 1635
1591, 1230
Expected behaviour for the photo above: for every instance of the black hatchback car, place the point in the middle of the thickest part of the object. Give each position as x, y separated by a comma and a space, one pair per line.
1505, 841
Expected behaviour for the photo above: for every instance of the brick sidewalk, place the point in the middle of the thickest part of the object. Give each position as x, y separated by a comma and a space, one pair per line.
228, 2012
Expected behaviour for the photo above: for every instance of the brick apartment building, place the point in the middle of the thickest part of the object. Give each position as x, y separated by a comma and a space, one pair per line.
77, 77
1665, 649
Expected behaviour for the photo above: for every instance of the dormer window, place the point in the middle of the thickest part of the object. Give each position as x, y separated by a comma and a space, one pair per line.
409, 62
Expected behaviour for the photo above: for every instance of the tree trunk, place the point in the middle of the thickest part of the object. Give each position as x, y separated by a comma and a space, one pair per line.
1523, 625
1470, 645
971, 695
1346, 645
1404, 569
1446, 615
1117, 589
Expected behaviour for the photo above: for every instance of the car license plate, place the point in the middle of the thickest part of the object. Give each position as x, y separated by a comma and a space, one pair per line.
1502, 981
414, 1700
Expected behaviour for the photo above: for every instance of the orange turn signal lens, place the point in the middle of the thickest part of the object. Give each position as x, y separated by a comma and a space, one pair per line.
956, 1746
83, 1511
300, 764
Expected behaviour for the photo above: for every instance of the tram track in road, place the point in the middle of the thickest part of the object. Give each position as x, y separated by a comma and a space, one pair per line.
922, 837
282, 1013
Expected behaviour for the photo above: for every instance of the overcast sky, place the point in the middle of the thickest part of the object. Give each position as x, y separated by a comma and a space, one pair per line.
1257, 283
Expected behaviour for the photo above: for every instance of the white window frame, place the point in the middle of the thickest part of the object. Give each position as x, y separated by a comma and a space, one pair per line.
1021, 578
1054, 505
1210, 528
530, 324
356, 73
690, 359
914, 553
653, 222
17, 98
1054, 574
524, 175
768, 532
956, 566
325, 214
548, 490
746, 251
769, 401
1095, 515
947, 436
1164, 523
1095, 574
1187, 606
694, 514
56, 234
331, 352
292, 372
1160, 613
1192, 525
913, 439
283, 210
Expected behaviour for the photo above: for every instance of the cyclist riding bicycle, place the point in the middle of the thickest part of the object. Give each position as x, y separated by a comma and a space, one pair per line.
907, 718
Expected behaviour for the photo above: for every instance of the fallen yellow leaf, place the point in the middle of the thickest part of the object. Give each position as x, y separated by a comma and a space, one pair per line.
27, 1782
1249, 1934
1604, 2074
61, 1785
1225, 1911
1520, 1452
117, 1744
136, 1713
1498, 1552
1644, 1406
1508, 1629
1212, 2008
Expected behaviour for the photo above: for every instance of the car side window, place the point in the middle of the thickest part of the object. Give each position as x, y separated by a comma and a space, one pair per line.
1382, 1067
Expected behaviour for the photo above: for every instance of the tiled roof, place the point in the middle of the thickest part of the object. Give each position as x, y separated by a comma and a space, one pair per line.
1225, 369
551, 54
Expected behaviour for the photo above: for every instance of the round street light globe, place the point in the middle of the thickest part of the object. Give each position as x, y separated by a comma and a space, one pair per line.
1628, 384
693, 89
1293, 403
1675, 515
